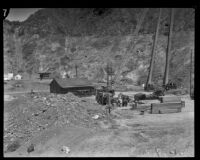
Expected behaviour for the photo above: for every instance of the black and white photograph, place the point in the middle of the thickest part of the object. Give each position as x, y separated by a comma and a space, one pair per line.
98, 82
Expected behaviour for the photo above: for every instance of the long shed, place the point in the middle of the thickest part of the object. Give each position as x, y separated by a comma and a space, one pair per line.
78, 86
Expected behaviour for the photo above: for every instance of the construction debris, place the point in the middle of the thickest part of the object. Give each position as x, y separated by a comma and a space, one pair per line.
30, 148
13, 146
45, 110
65, 149
171, 107
173, 152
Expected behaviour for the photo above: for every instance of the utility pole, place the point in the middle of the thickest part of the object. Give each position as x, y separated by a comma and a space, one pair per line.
149, 79
107, 76
109, 73
191, 74
166, 75
76, 70
111, 69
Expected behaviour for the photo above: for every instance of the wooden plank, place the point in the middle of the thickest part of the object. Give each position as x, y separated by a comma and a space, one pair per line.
157, 108
163, 111
143, 107
167, 105
165, 99
176, 91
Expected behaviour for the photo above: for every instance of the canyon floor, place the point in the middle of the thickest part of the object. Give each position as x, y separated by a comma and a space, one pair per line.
125, 133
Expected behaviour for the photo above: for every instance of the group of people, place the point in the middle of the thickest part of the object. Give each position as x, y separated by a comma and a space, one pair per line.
123, 100
120, 101
170, 85
102, 98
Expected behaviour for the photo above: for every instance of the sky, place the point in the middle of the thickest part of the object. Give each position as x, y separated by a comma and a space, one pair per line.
20, 14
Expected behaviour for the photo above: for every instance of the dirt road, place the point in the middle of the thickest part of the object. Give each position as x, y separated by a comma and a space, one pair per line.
25, 91
128, 134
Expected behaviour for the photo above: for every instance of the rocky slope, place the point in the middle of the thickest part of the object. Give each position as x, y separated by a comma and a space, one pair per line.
57, 39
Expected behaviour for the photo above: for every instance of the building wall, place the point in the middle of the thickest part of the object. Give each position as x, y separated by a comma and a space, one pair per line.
87, 90
55, 88
44, 75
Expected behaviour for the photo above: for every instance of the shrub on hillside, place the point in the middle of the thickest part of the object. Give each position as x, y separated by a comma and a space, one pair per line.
13, 146
28, 50
126, 80
55, 74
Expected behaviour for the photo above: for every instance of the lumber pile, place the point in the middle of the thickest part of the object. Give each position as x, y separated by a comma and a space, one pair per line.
35, 113
177, 91
166, 99
169, 107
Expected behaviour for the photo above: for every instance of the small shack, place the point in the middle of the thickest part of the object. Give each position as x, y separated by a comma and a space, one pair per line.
8, 76
45, 75
77, 86
18, 77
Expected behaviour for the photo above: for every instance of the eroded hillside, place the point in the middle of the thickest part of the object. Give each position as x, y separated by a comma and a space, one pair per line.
57, 39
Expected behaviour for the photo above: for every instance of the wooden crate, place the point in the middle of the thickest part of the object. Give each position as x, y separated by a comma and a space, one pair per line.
166, 99
172, 107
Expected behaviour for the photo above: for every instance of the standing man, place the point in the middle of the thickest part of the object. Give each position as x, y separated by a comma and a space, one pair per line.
120, 99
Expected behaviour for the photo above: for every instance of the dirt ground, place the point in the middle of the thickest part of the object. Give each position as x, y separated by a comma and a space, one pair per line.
128, 134
26, 86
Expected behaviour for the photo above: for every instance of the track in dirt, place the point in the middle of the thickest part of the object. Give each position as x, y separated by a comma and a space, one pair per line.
126, 134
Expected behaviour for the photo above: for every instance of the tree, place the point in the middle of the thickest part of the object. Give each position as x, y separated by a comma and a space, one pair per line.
64, 60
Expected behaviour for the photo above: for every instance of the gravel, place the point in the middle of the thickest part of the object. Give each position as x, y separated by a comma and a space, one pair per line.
40, 111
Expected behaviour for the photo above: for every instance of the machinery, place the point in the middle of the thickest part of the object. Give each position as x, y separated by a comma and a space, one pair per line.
102, 95
105, 94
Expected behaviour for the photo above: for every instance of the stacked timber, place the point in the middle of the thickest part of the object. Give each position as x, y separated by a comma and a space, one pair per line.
168, 107
166, 99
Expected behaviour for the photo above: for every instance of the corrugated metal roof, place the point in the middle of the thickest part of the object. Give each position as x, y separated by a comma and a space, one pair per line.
73, 82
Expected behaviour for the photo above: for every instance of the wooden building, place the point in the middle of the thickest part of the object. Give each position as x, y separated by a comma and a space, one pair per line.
18, 77
78, 86
44, 75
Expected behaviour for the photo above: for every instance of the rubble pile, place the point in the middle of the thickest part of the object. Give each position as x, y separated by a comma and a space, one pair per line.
41, 111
